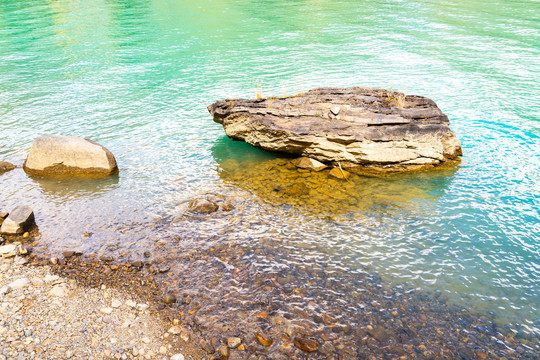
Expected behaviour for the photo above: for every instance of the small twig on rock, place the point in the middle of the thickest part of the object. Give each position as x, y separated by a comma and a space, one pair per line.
342, 173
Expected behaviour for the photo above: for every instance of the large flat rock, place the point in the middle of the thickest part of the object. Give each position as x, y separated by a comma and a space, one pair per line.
356, 127
68, 155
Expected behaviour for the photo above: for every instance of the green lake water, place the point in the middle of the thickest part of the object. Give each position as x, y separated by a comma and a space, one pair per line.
136, 76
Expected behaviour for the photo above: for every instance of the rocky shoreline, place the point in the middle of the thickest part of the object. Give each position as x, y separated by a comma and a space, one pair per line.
82, 307
47, 312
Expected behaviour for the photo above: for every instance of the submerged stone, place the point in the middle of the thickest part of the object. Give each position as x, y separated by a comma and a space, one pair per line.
359, 127
339, 173
169, 298
203, 206
306, 344
263, 339
308, 163
233, 342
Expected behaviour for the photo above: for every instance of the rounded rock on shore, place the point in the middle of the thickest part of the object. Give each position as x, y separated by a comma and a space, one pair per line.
52, 155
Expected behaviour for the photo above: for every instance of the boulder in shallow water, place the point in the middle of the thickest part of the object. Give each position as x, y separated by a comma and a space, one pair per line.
6, 166
203, 206
52, 155
358, 127
18, 221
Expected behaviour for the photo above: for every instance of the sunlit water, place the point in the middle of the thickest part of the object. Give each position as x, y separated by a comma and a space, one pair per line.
137, 77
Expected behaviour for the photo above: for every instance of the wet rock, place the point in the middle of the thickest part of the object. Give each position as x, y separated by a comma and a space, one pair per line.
298, 189
6, 166
359, 126
310, 164
263, 339
339, 173
18, 221
52, 155
164, 269
227, 205
480, 354
203, 206
169, 298
106, 258
233, 342
207, 347
306, 344
379, 334
177, 357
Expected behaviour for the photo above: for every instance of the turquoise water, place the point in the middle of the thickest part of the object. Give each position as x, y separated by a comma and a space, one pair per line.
137, 76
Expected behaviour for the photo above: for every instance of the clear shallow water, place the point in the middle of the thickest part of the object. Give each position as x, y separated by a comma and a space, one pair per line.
137, 78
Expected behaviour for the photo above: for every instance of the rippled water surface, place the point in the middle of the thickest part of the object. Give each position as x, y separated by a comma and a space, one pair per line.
136, 76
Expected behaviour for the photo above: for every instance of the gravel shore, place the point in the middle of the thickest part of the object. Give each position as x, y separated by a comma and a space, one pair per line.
45, 316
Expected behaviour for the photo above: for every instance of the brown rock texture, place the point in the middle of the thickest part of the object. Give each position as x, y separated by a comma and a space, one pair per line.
6, 166
357, 127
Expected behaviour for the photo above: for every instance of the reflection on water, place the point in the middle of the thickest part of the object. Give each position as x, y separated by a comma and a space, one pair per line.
63, 188
280, 182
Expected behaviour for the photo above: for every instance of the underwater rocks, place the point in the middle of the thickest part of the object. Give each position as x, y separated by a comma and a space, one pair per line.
358, 127
203, 206
210, 203
52, 155
309, 164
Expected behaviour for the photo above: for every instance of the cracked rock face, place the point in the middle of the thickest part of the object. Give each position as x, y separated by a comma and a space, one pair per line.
365, 127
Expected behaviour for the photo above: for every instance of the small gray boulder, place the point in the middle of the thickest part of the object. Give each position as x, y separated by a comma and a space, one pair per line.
18, 221
52, 155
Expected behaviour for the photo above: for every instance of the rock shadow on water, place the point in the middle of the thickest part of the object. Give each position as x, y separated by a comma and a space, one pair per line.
72, 188
275, 179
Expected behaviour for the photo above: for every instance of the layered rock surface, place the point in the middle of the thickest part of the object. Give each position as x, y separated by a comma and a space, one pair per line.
69, 155
356, 127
